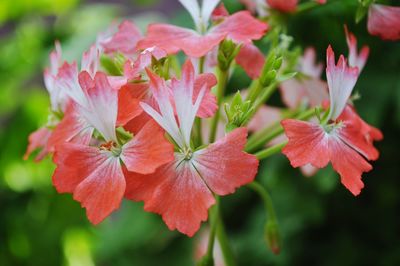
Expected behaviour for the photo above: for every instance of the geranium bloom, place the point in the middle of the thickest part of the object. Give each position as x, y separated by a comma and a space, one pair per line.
240, 27
182, 190
384, 21
306, 88
94, 173
356, 59
346, 142
287, 6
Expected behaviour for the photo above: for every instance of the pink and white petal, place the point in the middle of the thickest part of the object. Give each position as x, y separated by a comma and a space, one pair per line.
341, 81
38, 140
308, 143
208, 105
219, 13
349, 164
251, 59
132, 70
308, 63
116, 82
241, 27
67, 82
148, 150
102, 191
72, 128
287, 6
125, 40
175, 191
101, 109
91, 60
172, 39
224, 166
384, 21
355, 59
316, 91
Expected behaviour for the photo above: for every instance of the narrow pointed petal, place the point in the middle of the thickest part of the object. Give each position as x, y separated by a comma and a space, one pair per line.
148, 150
91, 60
208, 105
356, 59
38, 140
224, 166
384, 21
175, 191
341, 81
251, 59
308, 143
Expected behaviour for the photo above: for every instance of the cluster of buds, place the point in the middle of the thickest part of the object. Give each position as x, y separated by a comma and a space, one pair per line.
133, 122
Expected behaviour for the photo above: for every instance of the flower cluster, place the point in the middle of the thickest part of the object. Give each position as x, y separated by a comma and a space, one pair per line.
133, 122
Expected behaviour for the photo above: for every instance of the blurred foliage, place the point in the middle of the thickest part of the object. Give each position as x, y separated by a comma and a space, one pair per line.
321, 222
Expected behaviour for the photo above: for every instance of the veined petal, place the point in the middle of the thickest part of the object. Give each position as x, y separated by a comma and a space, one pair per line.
129, 97
172, 39
175, 191
251, 59
383, 21
67, 81
341, 81
308, 143
148, 150
241, 28
355, 59
91, 60
224, 166
94, 177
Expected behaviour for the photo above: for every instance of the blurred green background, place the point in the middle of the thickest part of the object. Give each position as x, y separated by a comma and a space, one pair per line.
321, 222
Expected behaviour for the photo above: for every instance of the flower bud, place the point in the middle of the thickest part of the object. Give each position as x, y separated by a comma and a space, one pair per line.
238, 112
226, 53
273, 237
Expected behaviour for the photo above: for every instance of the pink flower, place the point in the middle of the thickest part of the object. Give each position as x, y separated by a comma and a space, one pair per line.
182, 190
346, 142
355, 59
94, 174
240, 27
384, 21
341, 81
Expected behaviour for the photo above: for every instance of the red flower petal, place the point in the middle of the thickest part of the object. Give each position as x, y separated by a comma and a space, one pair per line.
384, 21
224, 166
241, 27
148, 150
173, 39
283, 5
175, 191
251, 60
129, 97
95, 178
308, 143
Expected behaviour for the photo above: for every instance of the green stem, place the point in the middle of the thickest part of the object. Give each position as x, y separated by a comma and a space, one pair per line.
201, 64
270, 151
257, 187
214, 223
269, 133
226, 249
222, 81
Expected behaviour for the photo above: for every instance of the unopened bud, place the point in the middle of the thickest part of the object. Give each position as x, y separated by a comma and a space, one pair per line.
273, 237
